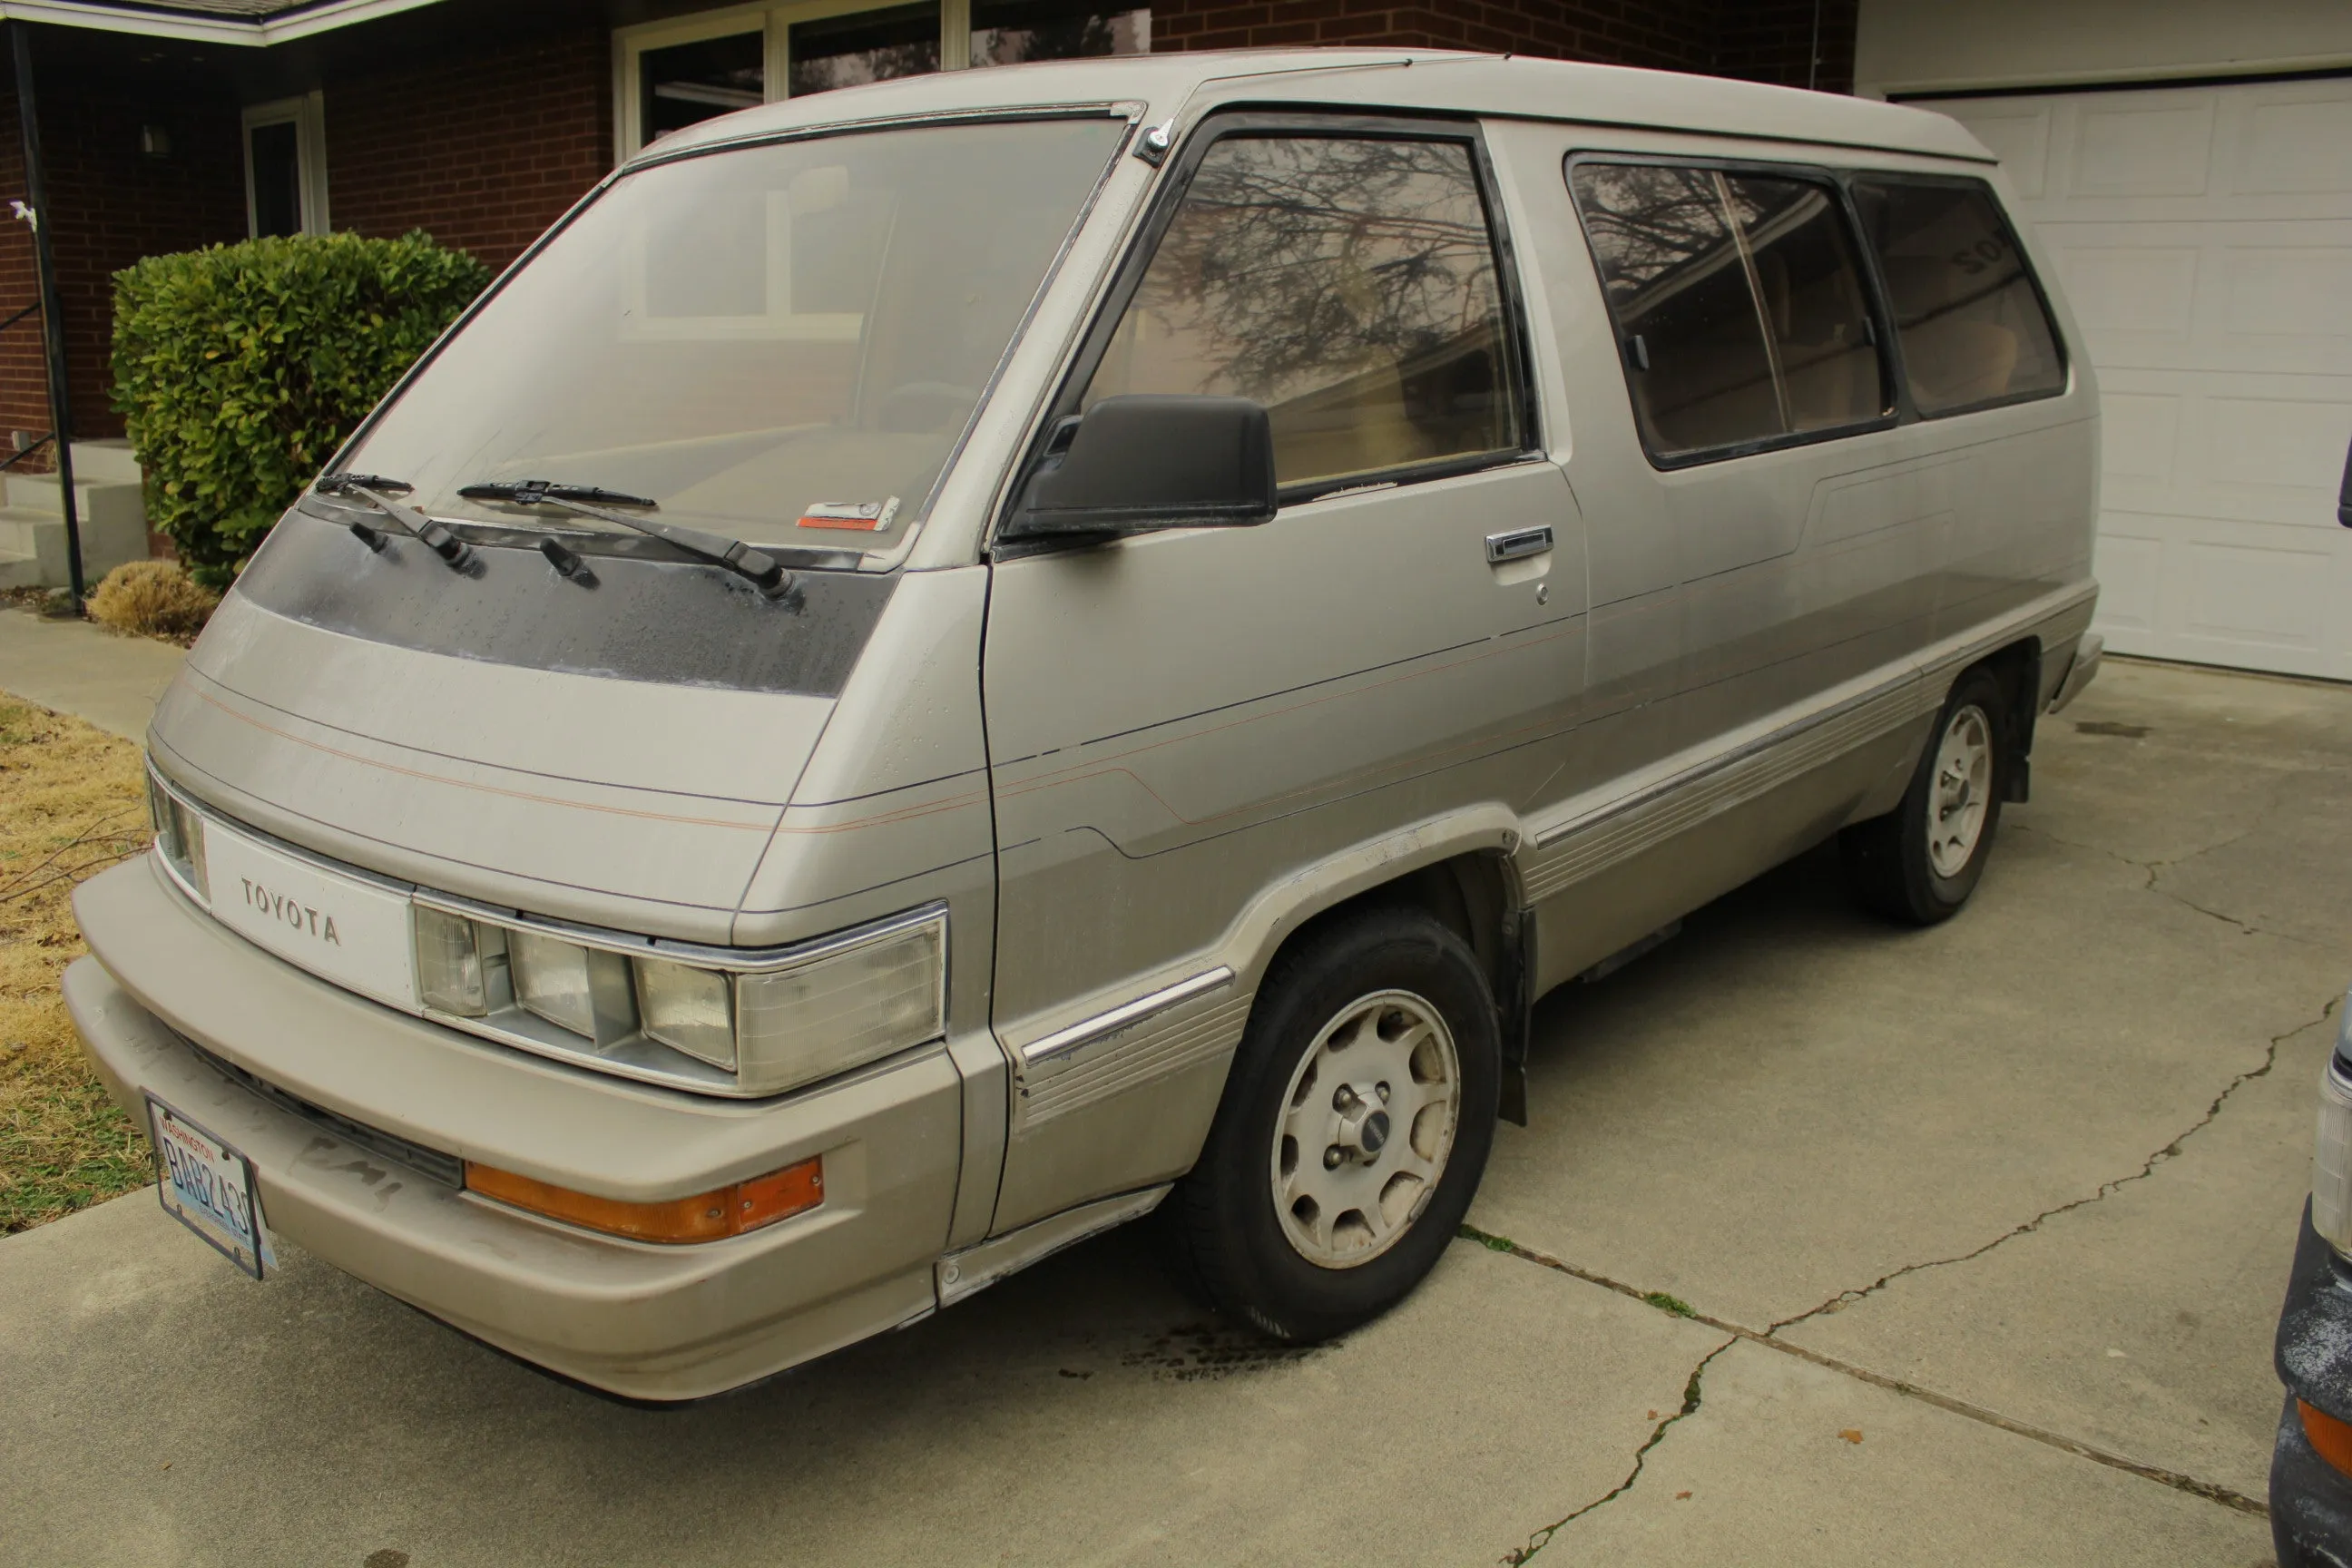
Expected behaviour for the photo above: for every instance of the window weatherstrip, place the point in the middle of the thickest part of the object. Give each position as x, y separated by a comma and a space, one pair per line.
1755, 300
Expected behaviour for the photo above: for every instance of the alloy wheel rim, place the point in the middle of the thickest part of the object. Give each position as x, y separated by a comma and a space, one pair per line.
1962, 792
1365, 1129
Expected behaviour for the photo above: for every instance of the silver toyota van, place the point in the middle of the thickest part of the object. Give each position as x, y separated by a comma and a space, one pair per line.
944, 664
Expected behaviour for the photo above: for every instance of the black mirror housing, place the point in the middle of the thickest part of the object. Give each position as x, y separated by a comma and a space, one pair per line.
1150, 461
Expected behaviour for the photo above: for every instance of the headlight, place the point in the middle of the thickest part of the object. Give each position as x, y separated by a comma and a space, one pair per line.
758, 1026
449, 959
180, 835
2331, 1164
578, 988
688, 1009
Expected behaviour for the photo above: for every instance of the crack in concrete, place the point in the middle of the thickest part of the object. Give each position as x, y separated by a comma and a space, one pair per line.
2105, 1189
2211, 1491
2156, 869
1692, 1394
1768, 1336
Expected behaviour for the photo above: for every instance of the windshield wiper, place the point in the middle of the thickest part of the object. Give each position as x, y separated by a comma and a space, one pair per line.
764, 570
369, 488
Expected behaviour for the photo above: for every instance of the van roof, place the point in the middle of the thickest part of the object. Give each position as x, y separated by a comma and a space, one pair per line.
1428, 80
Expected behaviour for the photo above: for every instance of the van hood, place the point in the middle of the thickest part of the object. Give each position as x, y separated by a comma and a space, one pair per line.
635, 804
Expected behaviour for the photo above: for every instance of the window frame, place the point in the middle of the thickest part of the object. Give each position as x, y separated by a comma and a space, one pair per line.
1176, 182
1850, 177
306, 112
1875, 302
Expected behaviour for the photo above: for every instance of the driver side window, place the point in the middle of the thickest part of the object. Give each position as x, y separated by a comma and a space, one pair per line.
1349, 283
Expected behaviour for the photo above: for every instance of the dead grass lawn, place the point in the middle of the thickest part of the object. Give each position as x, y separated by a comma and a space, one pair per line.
70, 804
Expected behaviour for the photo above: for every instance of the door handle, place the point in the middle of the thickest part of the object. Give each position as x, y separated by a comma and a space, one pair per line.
1517, 544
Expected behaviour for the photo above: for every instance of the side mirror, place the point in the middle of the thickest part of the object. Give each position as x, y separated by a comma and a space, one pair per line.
1150, 461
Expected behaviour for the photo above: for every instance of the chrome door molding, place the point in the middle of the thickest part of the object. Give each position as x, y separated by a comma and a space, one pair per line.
1126, 1058
1085, 1031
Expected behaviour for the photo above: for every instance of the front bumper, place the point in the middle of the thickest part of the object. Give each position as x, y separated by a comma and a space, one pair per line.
2311, 1500
645, 1321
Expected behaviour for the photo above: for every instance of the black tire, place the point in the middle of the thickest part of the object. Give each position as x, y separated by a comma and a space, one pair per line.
1890, 864
1223, 1215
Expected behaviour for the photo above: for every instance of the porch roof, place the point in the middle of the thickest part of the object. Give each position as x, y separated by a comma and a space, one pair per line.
255, 23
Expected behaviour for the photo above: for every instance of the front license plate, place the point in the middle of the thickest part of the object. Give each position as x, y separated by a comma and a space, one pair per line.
208, 1187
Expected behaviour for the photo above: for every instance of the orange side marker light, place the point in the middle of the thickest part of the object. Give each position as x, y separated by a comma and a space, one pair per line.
730, 1210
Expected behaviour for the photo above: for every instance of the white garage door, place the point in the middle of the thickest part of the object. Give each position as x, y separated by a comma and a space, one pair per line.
2204, 238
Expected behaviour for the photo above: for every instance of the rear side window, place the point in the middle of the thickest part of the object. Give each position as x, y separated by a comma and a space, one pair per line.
1739, 302
1973, 327
1347, 283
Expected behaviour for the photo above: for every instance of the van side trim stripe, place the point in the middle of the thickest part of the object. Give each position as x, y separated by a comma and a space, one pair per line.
1623, 827
1086, 1030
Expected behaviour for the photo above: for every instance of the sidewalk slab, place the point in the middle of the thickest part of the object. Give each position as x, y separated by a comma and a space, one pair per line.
1079, 1413
73, 667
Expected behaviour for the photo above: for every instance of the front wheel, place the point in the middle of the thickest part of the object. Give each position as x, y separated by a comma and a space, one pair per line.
1354, 1127
1919, 863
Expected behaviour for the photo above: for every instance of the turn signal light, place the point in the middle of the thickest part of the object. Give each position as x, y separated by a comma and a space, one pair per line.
2330, 1438
723, 1211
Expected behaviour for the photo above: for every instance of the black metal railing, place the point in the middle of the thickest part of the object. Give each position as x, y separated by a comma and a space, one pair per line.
45, 436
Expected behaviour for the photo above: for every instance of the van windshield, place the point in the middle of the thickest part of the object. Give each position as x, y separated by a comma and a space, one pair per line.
779, 342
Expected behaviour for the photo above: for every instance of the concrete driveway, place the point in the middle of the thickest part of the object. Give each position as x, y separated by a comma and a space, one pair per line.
1984, 1230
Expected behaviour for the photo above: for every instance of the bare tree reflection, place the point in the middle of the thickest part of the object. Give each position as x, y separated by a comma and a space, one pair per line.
1349, 285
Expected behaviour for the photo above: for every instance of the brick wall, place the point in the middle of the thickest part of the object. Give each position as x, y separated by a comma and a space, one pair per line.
483, 152
1768, 41
108, 206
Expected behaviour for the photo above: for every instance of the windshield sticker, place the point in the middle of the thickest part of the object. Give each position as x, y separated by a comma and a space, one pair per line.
871, 516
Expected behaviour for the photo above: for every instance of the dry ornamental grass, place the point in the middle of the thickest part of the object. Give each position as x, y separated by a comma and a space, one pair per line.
71, 804
152, 599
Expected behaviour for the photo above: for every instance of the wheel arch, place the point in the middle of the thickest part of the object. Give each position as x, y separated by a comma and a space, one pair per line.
2017, 667
1459, 868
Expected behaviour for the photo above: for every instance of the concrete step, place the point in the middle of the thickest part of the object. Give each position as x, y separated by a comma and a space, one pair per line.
20, 571
99, 502
105, 462
40, 537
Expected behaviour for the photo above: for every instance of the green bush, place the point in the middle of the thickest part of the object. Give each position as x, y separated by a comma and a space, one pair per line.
240, 369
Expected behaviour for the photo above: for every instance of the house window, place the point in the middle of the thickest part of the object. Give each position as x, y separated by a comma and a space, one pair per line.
690, 81
1007, 32
669, 74
286, 166
863, 46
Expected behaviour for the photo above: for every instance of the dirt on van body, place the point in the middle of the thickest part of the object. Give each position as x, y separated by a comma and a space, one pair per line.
70, 806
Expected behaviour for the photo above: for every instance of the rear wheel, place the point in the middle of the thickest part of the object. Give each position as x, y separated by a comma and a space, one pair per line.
1919, 862
1354, 1127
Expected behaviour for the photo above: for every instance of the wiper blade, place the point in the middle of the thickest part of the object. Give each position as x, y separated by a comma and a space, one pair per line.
765, 572
530, 492
370, 488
